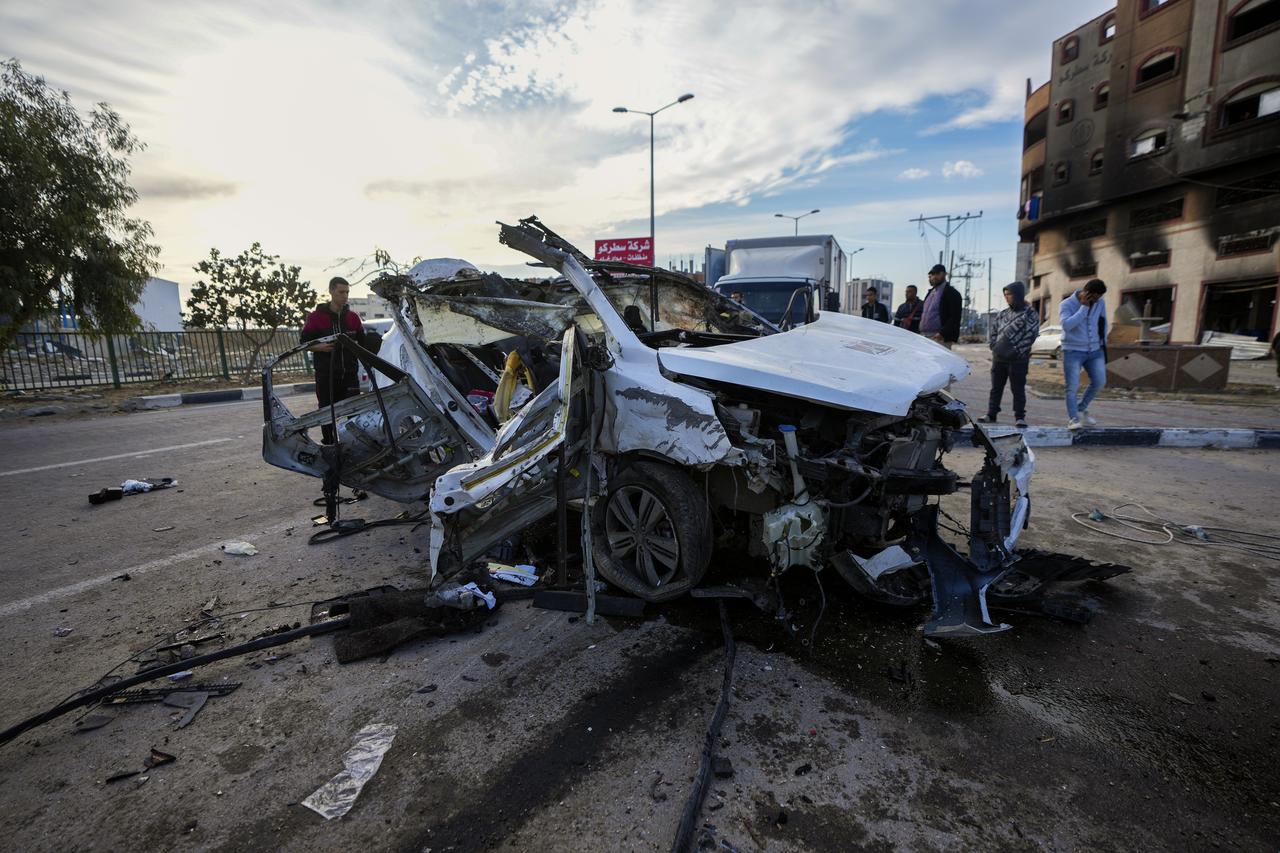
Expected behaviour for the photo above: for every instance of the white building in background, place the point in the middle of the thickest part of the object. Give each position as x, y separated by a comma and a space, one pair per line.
160, 306
370, 307
854, 292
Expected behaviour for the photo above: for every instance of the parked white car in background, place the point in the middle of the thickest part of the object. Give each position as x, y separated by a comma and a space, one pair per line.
381, 327
1048, 343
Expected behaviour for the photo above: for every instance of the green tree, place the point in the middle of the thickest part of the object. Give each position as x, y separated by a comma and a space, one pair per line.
65, 235
252, 292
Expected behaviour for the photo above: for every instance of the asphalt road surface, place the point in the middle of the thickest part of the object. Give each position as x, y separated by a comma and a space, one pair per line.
1153, 727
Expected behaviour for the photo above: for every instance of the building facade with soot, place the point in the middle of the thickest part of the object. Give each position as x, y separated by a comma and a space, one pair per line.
1151, 160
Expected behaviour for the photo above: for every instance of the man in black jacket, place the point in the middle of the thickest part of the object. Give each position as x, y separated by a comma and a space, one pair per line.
943, 305
873, 308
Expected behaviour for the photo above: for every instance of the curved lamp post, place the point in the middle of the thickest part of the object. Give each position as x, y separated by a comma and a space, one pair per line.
653, 296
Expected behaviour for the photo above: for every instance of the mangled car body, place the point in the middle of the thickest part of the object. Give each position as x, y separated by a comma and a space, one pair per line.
677, 422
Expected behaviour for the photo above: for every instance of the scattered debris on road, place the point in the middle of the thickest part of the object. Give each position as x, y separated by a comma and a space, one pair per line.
131, 487
239, 549
336, 797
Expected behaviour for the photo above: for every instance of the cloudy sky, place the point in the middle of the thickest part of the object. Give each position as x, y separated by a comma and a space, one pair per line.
324, 129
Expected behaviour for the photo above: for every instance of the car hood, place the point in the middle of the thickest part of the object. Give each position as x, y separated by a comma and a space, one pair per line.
839, 360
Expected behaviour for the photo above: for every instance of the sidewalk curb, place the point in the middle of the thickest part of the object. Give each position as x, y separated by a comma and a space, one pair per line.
228, 395
1181, 437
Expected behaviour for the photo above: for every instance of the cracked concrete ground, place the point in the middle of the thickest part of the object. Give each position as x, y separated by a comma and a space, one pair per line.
1153, 727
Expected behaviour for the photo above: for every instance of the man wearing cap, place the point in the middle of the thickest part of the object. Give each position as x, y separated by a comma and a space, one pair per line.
337, 375
1010, 336
940, 320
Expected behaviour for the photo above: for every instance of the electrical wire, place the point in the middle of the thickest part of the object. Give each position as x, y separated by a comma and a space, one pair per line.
1158, 530
168, 669
693, 805
195, 626
822, 608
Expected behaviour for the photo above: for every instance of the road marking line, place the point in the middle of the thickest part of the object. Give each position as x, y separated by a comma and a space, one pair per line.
160, 563
134, 454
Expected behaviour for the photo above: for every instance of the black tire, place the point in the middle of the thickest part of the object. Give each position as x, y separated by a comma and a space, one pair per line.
670, 554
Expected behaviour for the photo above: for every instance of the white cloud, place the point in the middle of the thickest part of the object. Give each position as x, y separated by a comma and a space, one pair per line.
325, 129
913, 174
960, 169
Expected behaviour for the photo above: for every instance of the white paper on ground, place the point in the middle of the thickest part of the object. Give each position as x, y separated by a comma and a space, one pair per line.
336, 797
239, 549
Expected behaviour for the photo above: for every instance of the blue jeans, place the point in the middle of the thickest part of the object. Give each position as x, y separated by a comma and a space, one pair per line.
1095, 364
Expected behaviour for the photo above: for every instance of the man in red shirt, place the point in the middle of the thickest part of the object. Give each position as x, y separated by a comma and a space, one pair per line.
337, 372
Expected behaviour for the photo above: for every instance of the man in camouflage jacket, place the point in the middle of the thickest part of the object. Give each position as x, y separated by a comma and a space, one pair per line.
1010, 335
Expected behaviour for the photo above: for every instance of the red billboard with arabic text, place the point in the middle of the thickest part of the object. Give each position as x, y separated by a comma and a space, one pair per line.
629, 250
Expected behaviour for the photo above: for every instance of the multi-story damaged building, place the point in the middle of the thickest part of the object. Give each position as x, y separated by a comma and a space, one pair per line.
1150, 160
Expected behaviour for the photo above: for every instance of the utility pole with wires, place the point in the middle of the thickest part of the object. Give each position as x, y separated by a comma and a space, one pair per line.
989, 311
968, 265
951, 226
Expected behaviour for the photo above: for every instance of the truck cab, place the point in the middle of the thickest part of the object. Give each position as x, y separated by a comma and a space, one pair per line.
786, 280
785, 302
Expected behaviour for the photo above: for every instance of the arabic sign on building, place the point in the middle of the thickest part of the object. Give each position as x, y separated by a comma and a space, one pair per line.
629, 250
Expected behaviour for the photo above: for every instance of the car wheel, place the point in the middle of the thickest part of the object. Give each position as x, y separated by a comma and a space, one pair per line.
652, 532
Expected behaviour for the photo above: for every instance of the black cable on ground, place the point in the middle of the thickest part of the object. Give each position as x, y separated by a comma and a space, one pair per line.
822, 608
693, 806
356, 525
169, 669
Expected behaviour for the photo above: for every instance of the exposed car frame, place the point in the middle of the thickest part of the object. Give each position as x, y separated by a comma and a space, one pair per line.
817, 447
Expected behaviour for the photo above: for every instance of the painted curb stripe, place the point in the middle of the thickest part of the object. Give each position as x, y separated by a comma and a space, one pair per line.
1184, 437
1117, 437
212, 396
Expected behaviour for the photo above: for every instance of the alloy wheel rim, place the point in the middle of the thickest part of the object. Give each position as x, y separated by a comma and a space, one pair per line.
641, 535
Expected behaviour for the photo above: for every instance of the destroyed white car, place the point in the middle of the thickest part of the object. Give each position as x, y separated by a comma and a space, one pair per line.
674, 425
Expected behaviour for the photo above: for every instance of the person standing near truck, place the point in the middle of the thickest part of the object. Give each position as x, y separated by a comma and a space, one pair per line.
1083, 317
337, 371
1010, 336
940, 318
873, 308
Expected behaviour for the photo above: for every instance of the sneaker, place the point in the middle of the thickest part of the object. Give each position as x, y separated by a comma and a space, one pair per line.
1089, 420
1020, 423
1074, 424
987, 419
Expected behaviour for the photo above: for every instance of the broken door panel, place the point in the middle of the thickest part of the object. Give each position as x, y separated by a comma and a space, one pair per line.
479, 503
392, 441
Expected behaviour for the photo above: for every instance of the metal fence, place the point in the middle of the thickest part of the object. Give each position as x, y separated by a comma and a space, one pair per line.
68, 359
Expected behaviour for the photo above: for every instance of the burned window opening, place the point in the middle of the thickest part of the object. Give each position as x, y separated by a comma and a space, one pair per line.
1151, 142
1248, 245
1101, 96
1249, 190
1036, 129
1251, 20
1163, 66
1087, 230
1253, 104
1070, 50
1143, 260
1165, 211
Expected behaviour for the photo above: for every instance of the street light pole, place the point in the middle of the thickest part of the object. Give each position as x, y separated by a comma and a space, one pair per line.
653, 247
796, 219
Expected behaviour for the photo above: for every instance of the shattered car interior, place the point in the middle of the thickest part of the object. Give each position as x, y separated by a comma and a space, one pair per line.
675, 423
